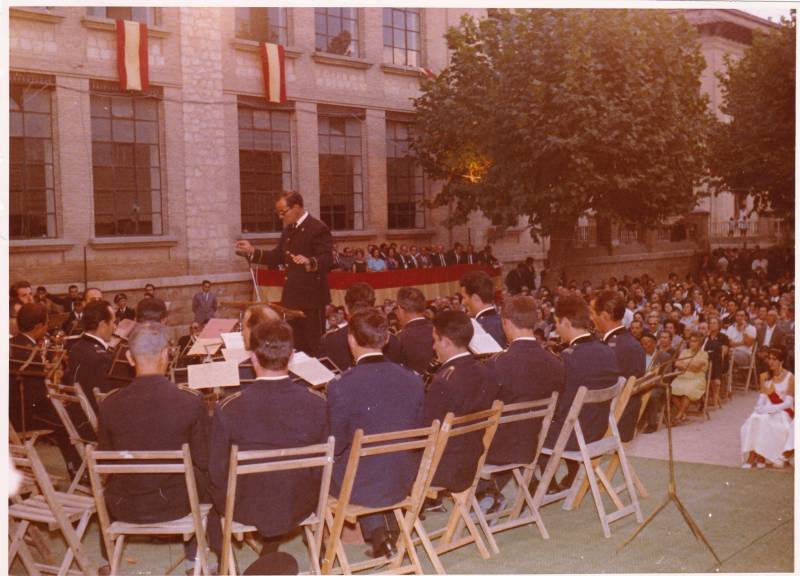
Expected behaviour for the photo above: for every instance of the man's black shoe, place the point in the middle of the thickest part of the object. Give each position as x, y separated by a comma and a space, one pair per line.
384, 547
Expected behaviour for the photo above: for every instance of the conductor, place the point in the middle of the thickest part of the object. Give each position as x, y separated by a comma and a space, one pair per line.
305, 249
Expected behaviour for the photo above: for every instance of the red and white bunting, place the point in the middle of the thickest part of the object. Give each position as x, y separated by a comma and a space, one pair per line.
132, 55
273, 64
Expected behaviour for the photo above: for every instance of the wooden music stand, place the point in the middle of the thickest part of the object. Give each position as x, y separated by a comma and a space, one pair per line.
33, 367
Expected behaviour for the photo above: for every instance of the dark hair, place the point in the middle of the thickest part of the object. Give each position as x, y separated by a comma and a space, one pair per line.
41, 289
360, 292
480, 283
95, 312
272, 342
148, 285
120, 296
71, 286
151, 310
16, 286
777, 351
206, 282
574, 308
258, 314
30, 316
610, 301
454, 325
292, 199
522, 311
370, 328
411, 299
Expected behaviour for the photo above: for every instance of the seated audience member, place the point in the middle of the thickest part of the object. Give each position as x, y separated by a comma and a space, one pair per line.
151, 309
151, 413
690, 385
66, 302
461, 386
149, 291
374, 261
771, 335
334, 343
438, 258
477, 292
741, 337
377, 396
392, 260
653, 357
186, 341
123, 311
416, 335
359, 262
271, 413
636, 329
74, 322
587, 362
768, 434
89, 359
716, 345
21, 292
346, 259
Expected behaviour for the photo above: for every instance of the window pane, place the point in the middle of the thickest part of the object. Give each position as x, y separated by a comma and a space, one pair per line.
37, 125
122, 108
147, 132
37, 100
16, 125
122, 130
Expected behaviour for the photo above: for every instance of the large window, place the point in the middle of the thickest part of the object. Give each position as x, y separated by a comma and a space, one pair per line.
336, 30
144, 14
126, 165
265, 164
262, 24
32, 192
405, 184
341, 171
401, 36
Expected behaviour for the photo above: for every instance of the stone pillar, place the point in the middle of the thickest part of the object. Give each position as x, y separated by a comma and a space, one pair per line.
306, 174
375, 197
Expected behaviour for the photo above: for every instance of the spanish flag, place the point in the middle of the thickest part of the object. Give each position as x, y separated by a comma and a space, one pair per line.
132, 55
273, 64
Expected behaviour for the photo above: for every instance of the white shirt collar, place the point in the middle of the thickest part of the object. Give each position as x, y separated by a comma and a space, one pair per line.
301, 219
368, 354
531, 338
415, 319
456, 356
584, 335
485, 310
103, 342
613, 331
29, 338
284, 377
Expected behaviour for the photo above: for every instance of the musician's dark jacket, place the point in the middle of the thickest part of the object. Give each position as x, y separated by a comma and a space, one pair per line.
524, 372
268, 415
631, 360
304, 289
491, 321
377, 396
591, 363
88, 364
416, 344
152, 413
461, 386
334, 345
36, 403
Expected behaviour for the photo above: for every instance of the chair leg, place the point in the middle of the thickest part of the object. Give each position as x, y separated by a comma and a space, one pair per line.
433, 556
463, 511
598, 497
405, 545
18, 546
119, 545
628, 475
313, 556
537, 518
77, 554
484, 525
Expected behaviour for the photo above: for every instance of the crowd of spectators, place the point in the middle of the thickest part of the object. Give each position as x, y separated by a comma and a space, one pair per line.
379, 258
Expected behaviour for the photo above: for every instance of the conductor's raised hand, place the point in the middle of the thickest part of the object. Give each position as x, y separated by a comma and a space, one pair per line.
244, 248
299, 259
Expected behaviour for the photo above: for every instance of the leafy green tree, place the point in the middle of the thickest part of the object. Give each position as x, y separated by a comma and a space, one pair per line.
753, 149
548, 114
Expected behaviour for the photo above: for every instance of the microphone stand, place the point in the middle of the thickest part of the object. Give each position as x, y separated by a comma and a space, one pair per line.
672, 493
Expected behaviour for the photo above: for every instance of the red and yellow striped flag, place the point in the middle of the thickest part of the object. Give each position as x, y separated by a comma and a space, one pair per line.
132, 55
273, 65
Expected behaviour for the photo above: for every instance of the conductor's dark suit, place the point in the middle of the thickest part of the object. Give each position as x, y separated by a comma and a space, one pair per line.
524, 372
490, 320
631, 360
152, 413
416, 344
591, 363
305, 290
268, 415
460, 386
88, 364
334, 345
377, 396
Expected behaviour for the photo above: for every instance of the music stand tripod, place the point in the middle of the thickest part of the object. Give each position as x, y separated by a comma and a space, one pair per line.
672, 493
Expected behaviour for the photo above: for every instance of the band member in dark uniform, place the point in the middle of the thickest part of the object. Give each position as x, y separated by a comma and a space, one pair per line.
477, 290
416, 336
608, 308
377, 396
305, 248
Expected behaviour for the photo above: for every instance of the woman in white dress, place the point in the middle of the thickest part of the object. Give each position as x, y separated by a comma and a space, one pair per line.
768, 433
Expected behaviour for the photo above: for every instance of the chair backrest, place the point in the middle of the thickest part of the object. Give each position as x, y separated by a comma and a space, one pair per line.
108, 462
86, 406
584, 396
621, 401
280, 460
61, 396
531, 410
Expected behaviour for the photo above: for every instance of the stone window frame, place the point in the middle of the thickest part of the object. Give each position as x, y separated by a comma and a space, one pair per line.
390, 53
108, 89
352, 214
355, 46
38, 82
416, 182
153, 14
282, 36
288, 178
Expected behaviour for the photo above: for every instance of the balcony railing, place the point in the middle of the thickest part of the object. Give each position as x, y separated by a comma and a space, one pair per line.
734, 230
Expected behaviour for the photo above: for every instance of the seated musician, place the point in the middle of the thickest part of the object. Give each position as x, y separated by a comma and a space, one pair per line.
151, 413
477, 291
270, 413
334, 343
253, 316
460, 386
377, 396
416, 336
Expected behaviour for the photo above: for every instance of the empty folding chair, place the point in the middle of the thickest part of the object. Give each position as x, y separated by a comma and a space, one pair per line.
62, 398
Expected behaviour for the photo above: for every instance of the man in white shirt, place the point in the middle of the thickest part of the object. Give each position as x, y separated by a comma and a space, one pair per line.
741, 336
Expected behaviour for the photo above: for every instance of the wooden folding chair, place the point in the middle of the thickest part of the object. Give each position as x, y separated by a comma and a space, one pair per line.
701, 407
270, 461
589, 456
61, 397
750, 370
522, 473
57, 510
406, 511
99, 396
106, 463
453, 535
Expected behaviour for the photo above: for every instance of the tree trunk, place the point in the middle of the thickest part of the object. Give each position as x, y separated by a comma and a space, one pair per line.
560, 245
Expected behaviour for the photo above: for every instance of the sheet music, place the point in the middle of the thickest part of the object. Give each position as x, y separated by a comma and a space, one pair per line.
235, 354
213, 374
233, 340
205, 346
310, 369
482, 342
216, 326
125, 328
